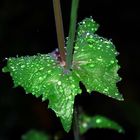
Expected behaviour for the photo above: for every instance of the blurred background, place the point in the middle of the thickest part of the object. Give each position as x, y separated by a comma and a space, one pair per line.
28, 27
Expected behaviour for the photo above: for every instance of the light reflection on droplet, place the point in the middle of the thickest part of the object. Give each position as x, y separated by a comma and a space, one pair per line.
84, 125
112, 62
98, 121
59, 83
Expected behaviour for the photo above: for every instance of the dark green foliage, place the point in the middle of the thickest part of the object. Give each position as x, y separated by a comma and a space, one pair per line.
98, 121
35, 135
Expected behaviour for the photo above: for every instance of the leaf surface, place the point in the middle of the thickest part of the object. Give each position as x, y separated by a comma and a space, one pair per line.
95, 61
42, 76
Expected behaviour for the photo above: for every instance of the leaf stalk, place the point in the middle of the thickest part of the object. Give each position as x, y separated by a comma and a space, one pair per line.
59, 29
71, 37
76, 123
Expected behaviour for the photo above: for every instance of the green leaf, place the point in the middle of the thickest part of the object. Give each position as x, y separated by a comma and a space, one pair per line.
35, 135
98, 121
95, 61
42, 75
87, 25
94, 64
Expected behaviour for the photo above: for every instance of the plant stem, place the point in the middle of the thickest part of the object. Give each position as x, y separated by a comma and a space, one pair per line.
59, 29
76, 124
72, 30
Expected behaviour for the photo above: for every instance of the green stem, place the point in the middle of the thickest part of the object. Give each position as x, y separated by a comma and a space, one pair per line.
59, 29
72, 30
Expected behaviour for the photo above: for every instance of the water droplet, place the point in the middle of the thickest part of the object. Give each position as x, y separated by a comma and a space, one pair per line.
99, 59
61, 90
117, 53
98, 121
112, 62
70, 78
49, 71
59, 83
108, 46
91, 36
88, 90
40, 78
90, 60
90, 46
87, 34
106, 90
41, 68
92, 65
70, 97
84, 125
76, 47
73, 85
83, 22
48, 65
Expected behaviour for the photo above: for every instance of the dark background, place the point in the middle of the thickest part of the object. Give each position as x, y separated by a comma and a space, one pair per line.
27, 27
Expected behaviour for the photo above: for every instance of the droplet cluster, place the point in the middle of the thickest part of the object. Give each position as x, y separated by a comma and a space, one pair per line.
95, 61
87, 25
41, 75
35, 70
